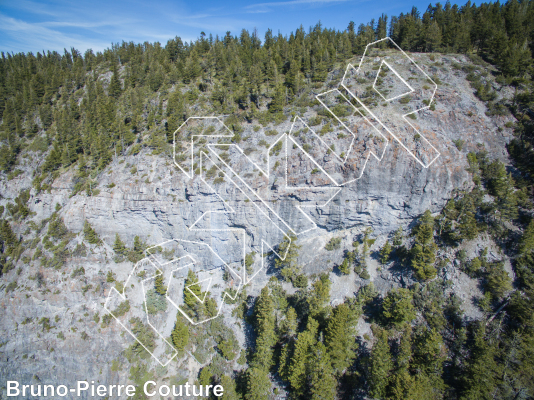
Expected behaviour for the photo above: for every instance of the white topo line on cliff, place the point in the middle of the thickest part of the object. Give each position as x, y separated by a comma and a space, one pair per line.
254, 197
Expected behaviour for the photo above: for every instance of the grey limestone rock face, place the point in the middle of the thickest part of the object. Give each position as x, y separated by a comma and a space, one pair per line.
159, 203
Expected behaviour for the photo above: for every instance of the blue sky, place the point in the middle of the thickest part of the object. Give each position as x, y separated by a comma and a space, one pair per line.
27, 25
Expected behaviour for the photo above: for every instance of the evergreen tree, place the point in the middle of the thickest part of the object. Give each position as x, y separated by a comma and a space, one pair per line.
398, 307
339, 338
192, 291
278, 101
429, 355
159, 285
385, 252
319, 296
347, 262
89, 234
230, 392
289, 325
424, 250
380, 367
115, 88
402, 382
118, 246
258, 384
322, 383
265, 330
180, 332
482, 369
288, 255
298, 367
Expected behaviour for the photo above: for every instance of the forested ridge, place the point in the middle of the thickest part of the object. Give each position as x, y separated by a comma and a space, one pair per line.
81, 111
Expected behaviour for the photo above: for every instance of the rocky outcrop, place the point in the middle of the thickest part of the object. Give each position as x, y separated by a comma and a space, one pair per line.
51, 329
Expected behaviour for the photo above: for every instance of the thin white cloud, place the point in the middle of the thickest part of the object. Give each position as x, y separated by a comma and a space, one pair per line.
81, 24
212, 22
265, 7
23, 36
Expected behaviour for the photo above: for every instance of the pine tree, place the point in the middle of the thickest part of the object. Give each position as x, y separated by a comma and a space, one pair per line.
118, 246
115, 88
289, 325
424, 250
319, 296
297, 370
230, 392
180, 333
398, 307
159, 285
402, 383
525, 259
192, 291
385, 252
287, 262
89, 234
278, 101
380, 367
265, 330
322, 383
258, 384
339, 339
432, 37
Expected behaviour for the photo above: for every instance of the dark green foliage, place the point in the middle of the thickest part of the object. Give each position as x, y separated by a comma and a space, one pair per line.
192, 292
287, 262
122, 309
398, 307
265, 328
424, 249
257, 379
60, 107
89, 234
145, 335
385, 252
319, 296
9, 247
159, 285
20, 209
225, 338
119, 248
525, 259
381, 365
258, 384
249, 261
57, 228
348, 262
322, 382
136, 253
339, 338
296, 356
333, 244
180, 333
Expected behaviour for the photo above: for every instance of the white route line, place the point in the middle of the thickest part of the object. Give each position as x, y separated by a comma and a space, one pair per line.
405, 115
260, 203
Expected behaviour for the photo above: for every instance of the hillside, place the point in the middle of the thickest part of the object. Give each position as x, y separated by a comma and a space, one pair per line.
413, 281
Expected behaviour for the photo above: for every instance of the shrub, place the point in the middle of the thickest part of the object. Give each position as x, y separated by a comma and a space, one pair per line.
122, 308
155, 302
333, 244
